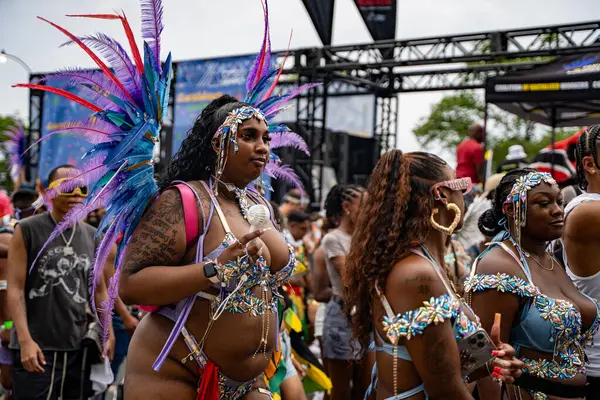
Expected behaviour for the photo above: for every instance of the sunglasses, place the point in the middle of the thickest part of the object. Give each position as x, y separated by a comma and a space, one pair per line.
462, 184
78, 191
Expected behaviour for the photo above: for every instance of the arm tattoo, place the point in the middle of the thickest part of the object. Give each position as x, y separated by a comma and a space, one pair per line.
438, 363
155, 239
424, 290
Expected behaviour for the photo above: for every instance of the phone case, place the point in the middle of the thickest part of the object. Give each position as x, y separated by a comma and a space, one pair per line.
475, 350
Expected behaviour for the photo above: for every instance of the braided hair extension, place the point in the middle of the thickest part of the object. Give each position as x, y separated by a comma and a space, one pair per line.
489, 222
196, 158
334, 203
586, 146
393, 221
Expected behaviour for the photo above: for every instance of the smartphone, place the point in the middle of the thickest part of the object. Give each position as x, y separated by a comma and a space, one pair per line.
475, 350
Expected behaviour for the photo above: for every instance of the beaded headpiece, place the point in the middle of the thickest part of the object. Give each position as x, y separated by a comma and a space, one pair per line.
518, 197
227, 133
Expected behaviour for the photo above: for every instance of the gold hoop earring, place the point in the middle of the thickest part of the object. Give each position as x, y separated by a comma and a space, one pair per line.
448, 230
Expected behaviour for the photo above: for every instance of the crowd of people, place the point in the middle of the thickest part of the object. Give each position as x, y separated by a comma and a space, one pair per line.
430, 283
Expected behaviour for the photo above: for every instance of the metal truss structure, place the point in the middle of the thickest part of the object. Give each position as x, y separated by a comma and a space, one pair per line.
387, 68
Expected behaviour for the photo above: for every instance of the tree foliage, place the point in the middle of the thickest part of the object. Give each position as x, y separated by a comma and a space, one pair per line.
449, 121
6, 182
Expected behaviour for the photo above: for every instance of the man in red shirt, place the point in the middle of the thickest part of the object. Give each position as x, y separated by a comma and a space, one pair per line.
469, 156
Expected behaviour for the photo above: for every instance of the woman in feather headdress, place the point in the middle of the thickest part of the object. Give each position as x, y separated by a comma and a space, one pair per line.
184, 247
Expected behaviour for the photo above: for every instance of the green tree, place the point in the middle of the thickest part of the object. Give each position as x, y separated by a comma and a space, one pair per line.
6, 182
449, 121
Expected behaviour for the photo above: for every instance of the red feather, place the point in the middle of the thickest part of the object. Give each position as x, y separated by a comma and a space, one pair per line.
276, 81
94, 57
62, 93
98, 16
263, 50
134, 49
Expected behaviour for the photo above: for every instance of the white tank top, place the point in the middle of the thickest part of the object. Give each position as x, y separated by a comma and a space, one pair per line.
590, 286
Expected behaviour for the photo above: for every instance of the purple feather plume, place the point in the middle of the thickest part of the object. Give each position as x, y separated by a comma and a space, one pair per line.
263, 59
77, 77
284, 172
277, 107
14, 146
289, 139
118, 58
93, 131
101, 256
152, 26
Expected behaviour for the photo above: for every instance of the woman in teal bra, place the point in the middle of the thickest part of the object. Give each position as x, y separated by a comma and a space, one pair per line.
547, 320
393, 277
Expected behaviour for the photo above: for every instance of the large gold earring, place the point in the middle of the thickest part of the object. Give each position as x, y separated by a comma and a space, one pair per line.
448, 230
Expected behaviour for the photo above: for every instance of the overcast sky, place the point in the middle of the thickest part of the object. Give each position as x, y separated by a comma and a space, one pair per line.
208, 28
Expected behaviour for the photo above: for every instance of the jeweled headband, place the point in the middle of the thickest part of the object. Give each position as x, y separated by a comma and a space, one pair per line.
227, 133
518, 197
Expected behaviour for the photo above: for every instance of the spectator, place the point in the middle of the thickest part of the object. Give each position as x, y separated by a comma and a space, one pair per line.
292, 201
47, 299
515, 159
469, 156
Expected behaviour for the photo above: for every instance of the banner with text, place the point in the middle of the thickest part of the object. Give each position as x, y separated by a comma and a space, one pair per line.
200, 82
321, 14
60, 149
380, 17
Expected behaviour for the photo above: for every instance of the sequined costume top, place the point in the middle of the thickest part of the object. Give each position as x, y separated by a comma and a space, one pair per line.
546, 324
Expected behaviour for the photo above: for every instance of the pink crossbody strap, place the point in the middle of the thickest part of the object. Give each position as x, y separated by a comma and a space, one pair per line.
190, 212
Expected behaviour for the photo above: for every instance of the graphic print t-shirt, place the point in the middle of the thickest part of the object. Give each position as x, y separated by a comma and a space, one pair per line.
56, 289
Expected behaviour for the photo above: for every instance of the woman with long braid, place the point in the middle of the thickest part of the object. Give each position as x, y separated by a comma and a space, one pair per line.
341, 206
581, 239
548, 321
394, 279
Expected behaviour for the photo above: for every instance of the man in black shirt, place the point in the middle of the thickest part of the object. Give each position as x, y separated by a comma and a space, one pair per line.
48, 301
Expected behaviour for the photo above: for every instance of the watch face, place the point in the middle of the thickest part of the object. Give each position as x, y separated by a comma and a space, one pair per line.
210, 269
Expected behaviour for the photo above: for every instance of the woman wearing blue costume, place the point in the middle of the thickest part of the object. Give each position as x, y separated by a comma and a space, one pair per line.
184, 246
550, 321
395, 280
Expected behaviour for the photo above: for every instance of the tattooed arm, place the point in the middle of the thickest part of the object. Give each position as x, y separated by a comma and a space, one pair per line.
158, 244
435, 352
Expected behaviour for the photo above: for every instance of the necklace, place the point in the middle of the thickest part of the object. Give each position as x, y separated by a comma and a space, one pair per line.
241, 195
539, 263
67, 250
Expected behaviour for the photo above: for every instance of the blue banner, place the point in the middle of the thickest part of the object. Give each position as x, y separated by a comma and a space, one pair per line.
200, 82
60, 149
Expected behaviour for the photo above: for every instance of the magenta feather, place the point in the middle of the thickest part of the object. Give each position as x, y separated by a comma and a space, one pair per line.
289, 139
152, 26
284, 172
118, 59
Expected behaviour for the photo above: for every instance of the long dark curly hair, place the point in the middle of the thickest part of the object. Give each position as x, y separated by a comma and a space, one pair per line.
394, 220
196, 158
489, 222
586, 146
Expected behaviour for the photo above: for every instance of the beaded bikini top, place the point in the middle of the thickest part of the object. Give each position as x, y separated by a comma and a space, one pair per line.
547, 324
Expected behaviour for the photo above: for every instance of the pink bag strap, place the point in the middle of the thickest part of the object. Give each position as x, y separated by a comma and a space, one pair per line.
190, 212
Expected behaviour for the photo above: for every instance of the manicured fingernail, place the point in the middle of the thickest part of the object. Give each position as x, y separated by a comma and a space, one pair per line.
497, 369
496, 375
495, 353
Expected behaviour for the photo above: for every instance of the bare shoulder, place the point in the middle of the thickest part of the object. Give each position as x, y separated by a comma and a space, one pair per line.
498, 261
583, 221
159, 238
412, 281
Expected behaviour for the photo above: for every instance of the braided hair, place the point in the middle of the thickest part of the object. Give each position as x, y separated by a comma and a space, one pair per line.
586, 146
334, 203
196, 158
490, 221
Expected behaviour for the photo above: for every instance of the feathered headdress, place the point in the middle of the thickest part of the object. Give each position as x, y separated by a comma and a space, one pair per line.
14, 146
128, 100
260, 85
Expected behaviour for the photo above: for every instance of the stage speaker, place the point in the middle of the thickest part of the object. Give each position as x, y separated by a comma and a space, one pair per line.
356, 159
